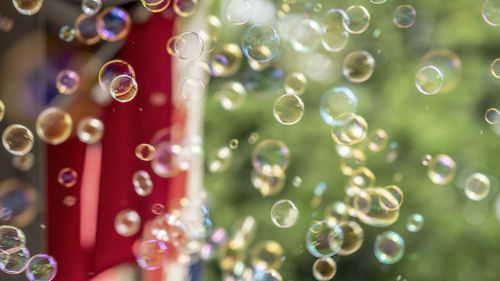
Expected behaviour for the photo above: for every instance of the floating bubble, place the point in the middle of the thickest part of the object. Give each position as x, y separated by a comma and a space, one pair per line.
389, 204
477, 186
220, 160
267, 254
441, 169
238, 11
41, 268
123, 88
389, 247
69, 201
491, 12
260, 43
17, 139
85, 27
156, 6
225, 61
142, 182
324, 239
28, 7
284, 213
14, 260
334, 36
357, 20
429, 80
230, 254
90, 130
233, 144
369, 208
266, 274
5, 214
378, 140
91, 7
404, 16
297, 181
426, 160
358, 66
288, 109
54, 125
492, 116
152, 254
185, 8
353, 162
67, 177
268, 185
324, 268
11, 238
448, 64
336, 101
295, 83
362, 178
349, 129
306, 35
170, 229
495, 68
192, 89
253, 138
336, 212
127, 222
67, 33
166, 160
353, 237
158, 209
113, 24
415, 223
6, 24
271, 157
188, 46
67, 82
231, 95
145, 152
113, 68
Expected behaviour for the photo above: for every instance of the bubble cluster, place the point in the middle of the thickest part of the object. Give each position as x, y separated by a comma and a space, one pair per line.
284, 213
67, 82
67, 177
324, 239
288, 109
145, 152
429, 80
404, 16
28, 7
353, 237
17, 139
441, 169
349, 129
370, 209
41, 268
477, 186
90, 130
389, 247
261, 43
415, 223
127, 222
54, 125
113, 24
111, 69
142, 182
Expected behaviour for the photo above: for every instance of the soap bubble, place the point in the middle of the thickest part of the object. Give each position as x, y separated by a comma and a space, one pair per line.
188, 46
284, 213
349, 129
111, 70
2, 110
389, 247
67, 177
267, 254
353, 162
266, 274
185, 8
324, 239
127, 222
225, 61
169, 228
67, 33
429, 80
353, 237
378, 140
192, 90
123, 88
158, 209
449, 65
268, 185
142, 182
67, 82
415, 223
113, 24
271, 157
324, 269
358, 66
28, 7
11, 237
238, 11
166, 160
85, 27
491, 12
336, 212
358, 19
397, 193
378, 1
17, 139
369, 208
41, 268
404, 16
91, 7
288, 109
90, 130
14, 260
233, 144
441, 169
362, 178
156, 6
336, 101
495, 68
54, 125
231, 95
152, 254
306, 35
334, 36
260, 43
220, 160
426, 160
477, 186
295, 83
23, 163
145, 152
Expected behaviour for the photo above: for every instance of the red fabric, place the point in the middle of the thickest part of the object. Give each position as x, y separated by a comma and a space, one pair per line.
126, 126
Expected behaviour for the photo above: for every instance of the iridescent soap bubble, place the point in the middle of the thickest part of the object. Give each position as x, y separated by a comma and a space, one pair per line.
404, 16
492, 116
267, 254
288, 109
353, 237
441, 169
231, 95
449, 65
336, 101
415, 223
260, 43
225, 60
397, 193
113, 24
389, 247
358, 66
266, 274
23, 163
54, 125
295, 83
188, 46
158, 209
123, 88
429, 80
233, 144
111, 70
90, 130
349, 129
238, 11
91, 7
127, 222
185, 8
166, 160
284, 213
336, 212
358, 19
334, 36
156, 6
271, 157
495, 68
477, 186
491, 12
67, 82
169, 228
324, 239
145, 152
220, 160
85, 27
142, 182
369, 209
361, 178
268, 185
17, 139
192, 89
378, 140
28, 7
14, 260
306, 35
152, 254
67, 33
426, 160
324, 269
67, 177
11, 237
41, 268
353, 162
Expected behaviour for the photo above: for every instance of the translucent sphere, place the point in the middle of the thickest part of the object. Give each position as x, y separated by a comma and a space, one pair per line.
231, 95
23, 163
441, 169
271, 157
123, 88
188, 46
492, 116
378, 1
67, 82
429, 80
389, 247
127, 222
67, 33
336, 212
260, 43
349, 129
225, 61
85, 27
90, 130
169, 228
166, 160
449, 65
267, 254
266, 274
477, 186
404, 16
306, 35
238, 11
28, 7
67, 177
369, 209
14, 260
415, 223
11, 237
158, 209
491, 12
41, 268
334, 36
284, 213
110, 70
185, 8
288, 109
324, 268
91, 7
220, 160
336, 101
495, 68
358, 66
397, 194
426, 160
113, 24
142, 182
152, 254
352, 163
378, 140
17, 139
358, 19
324, 239
145, 152
295, 83
192, 89
268, 185
54, 125
353, 237
156, 6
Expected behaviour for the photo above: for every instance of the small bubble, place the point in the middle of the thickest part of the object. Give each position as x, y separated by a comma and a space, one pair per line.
233, 144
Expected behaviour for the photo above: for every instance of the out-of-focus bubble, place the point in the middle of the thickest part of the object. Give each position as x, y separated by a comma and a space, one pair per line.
491, 12
14, 260
295, 83
268, 185
358, 19
324, 239
358, 66
41, 268
67, 33
306, 35
297, 181
152, 254
185, 8
11, 238
225, 61
426, 160
324, 269
113, 24
336, 101
170, 46
17, 139
336, 212
353, 162
492, 116
155, 6
90, 130
91, 7
415, 223
429, 80
113, 68
191, 151
362, 178
378, 1
495, 67
441, 169
54, 125
260, 43
5, 214
192, 89
67, 82
220, 160
230, 254
349, 129
69, 201
166, 160
158, 209
253, 138
158, 98
378, 140
123, 88
449, 65
353, 237
271, 157
127, 222
233, 144
142, 182
238, 11
85, 27
188, 46
145, 152
170, 229
67, 177
28, 7
288, 109
334, 36
267, 254
2, 110
389, 247
388, 203
6, 24
477, 186
404, 16
284, 213
266, 274
369, 208
23, 163
263, 83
